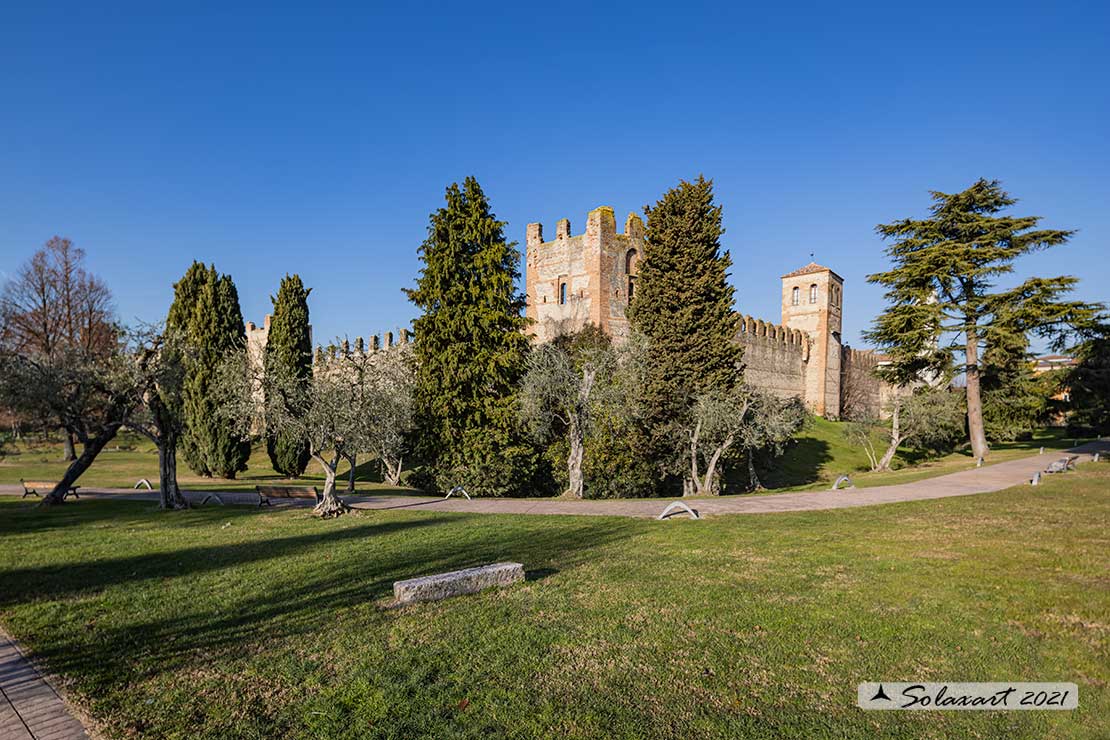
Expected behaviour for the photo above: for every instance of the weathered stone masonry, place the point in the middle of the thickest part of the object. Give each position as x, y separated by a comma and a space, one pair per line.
575, 280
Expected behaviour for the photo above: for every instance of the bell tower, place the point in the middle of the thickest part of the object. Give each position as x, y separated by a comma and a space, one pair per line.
813, 302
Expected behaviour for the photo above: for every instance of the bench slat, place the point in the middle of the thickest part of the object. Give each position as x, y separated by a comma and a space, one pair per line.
267, 492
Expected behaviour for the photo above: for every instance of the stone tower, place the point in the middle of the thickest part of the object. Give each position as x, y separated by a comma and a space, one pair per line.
812, 302
575, 280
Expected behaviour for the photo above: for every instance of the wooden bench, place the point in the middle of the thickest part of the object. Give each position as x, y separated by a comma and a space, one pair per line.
35, 487
265, 493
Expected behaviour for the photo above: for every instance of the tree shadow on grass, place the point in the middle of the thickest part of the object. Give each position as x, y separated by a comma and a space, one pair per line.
799, 465
294, 585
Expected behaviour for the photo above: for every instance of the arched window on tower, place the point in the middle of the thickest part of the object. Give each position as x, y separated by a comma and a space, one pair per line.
562, 293
836, 296
631, 264
795, 295
813, 293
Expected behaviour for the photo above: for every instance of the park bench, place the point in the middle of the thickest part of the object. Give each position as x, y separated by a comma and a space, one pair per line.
265, 493
36, 487
1062, 465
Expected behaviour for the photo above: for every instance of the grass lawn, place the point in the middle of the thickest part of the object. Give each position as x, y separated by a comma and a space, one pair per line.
131, 457
234, 622
816, 458
821, 453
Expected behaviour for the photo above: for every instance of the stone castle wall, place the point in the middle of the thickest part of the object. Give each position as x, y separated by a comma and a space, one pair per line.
572, 281
775, 358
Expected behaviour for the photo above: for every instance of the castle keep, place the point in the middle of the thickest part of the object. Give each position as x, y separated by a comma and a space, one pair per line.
575, 280
586, 279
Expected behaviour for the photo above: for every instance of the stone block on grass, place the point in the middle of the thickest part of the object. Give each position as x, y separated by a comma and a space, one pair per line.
457, 582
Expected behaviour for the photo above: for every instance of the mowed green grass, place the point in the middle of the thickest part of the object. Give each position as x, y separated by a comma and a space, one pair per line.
819, 454
131, 458
231, 622
822, 452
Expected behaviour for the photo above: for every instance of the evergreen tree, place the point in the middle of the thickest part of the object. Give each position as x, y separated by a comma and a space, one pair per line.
941, 285
1015, 403
470, 349
206, 315
1088, 385
684, 307
289, 344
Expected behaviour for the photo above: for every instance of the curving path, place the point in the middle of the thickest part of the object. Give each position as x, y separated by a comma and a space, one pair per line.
964, 483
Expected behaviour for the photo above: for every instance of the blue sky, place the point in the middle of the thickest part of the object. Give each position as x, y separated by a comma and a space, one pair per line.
316, 139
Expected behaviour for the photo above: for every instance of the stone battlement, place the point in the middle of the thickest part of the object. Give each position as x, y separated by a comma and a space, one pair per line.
574, 280
601, 222
373, 343
753, 329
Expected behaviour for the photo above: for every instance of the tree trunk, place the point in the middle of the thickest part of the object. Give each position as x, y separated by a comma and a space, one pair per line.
753, 479
353, 460
691, 485
169, 494
80, 465
69, 454
895, 436
392, 471
709, 484
330, 505
974, 399
574, 460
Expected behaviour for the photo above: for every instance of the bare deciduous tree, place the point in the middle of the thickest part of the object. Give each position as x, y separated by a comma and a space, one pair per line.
53, 305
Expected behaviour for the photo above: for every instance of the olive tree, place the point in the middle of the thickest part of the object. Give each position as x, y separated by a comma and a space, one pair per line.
160, 375
774, 422
392, 375
557, 396
740, 419
928, 419
92, 393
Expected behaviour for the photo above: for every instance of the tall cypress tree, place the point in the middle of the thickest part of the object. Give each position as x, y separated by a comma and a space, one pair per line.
684, 306
206, 314
470, 348
289, 344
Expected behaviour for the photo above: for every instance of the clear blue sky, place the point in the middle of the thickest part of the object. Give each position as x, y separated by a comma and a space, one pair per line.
316, 139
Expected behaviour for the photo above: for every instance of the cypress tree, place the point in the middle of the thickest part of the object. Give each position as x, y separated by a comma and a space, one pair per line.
941, 286
470, 348
684, 306
206, 314
289, 345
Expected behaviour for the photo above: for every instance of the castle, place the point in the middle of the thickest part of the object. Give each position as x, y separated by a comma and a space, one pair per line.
572, 281
590, 278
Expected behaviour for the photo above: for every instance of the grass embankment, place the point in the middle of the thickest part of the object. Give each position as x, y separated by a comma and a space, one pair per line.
234, 622
822, 452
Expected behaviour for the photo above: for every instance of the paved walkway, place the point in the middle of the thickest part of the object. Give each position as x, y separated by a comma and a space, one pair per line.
979, 480
30, 709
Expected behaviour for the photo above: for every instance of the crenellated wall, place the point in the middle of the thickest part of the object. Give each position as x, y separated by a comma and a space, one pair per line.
374, 343
572, 281
775, 358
